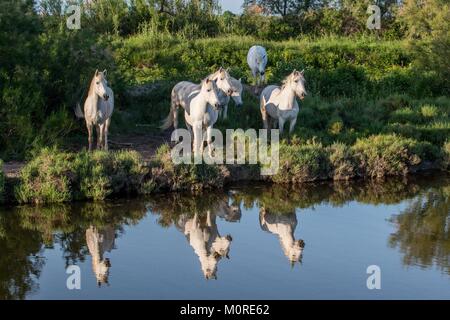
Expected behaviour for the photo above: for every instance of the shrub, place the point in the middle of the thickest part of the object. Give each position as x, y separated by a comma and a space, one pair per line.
55, 176
300, 163
342, 161
46, 178
379, 156
429, 111
167, 175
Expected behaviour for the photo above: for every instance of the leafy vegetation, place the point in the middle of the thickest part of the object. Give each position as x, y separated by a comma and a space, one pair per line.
144, 43
2, 183
55, 176
378, 102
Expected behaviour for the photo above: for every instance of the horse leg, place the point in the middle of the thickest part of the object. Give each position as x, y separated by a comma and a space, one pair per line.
198, 137
211, 148
90, 128
175, 117
209, 221
292, 125
225, 112
99, 136
281, 125
265, 117
106, 131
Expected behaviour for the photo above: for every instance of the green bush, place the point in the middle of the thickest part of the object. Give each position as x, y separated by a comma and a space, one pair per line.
55, 176
46, 178
342, 161
379, 156
301, 163
190, 177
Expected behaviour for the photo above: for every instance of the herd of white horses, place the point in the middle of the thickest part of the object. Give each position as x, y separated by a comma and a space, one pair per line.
203, 103
202, 234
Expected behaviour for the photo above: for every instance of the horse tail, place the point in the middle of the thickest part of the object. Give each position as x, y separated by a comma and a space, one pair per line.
170, 120
78, 113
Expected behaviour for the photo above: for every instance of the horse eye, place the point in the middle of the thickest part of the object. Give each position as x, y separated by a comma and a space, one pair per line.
98, 82
222, 79
209, 90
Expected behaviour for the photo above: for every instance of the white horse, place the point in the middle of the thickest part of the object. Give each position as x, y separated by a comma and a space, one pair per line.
283, 226
183, 92
199, 115
279, 104
99, 242
257, 61
237, 90
230, 213
203, 236
98, 109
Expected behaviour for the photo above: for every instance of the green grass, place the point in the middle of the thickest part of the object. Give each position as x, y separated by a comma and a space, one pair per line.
55, 177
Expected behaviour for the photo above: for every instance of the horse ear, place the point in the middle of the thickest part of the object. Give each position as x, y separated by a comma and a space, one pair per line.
240, 80
302, 72
105, 72
96, 72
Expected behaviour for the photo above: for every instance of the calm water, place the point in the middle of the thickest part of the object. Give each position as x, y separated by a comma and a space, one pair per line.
252, 242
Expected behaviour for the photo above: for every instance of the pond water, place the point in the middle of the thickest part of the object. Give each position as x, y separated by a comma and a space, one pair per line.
250, 242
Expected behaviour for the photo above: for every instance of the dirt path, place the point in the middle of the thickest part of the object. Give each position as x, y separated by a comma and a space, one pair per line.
146, 145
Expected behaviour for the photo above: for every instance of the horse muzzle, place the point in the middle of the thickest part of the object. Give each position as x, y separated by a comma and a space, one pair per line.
105, 97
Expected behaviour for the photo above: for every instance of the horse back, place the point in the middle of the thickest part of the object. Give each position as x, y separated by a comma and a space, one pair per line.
183, 93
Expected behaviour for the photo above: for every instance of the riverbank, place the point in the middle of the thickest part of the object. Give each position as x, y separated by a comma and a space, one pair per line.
55, 176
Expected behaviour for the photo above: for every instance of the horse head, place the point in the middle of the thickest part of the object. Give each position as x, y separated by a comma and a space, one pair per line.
296, 81
295, 251
221, 246
223, 81
101, 270
100, 84
261, 60
237, 90
209, 92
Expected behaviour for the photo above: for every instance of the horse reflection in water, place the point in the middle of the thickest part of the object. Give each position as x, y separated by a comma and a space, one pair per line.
203, 236
283, 225
100, 241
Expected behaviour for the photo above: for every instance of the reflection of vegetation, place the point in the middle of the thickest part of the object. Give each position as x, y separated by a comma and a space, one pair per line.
423, 233
19, 260
25, 230
66, 225
281, 199
423, 230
